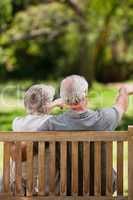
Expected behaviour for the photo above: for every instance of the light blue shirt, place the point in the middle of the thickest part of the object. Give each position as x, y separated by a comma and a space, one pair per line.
99, 120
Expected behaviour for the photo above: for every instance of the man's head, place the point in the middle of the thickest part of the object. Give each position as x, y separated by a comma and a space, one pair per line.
37, 97
74, 90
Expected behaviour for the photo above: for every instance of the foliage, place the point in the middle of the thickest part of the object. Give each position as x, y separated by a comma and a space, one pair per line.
92, 38
5, 12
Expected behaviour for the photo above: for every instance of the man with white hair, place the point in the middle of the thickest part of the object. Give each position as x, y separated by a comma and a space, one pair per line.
73, 91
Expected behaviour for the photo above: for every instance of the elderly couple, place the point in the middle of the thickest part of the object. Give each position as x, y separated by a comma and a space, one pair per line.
39, 102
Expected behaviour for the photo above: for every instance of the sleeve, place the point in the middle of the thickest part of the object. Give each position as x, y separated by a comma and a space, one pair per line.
109, 118
14, 124
120, 112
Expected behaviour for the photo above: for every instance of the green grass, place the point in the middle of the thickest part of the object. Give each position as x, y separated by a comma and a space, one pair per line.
99, 96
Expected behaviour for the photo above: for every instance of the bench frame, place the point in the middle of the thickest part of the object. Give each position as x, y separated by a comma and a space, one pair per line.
63, 137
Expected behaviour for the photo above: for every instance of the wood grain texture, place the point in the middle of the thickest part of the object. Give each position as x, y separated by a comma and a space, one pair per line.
97, 168
41, 168
86, 167
63, 168
52, 169
29, 168
64, 136
119, 168
130, 164
18, 168
6, 169
109, 189
74, 137
6, 197
74, 168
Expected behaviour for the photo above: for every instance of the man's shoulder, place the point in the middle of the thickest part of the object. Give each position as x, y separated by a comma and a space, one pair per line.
108, 118
110, 111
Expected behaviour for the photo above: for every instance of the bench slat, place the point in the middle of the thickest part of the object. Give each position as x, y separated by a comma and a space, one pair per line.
97, 168
119, 168
52, 169
6, 172
63, 168
75, 168
130, 164
18, 168
5, 197
29, 168
41, 171
109, 168
74, 138
86, 167
65, 136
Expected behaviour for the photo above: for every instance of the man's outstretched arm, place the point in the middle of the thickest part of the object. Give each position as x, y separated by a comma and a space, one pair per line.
122, 101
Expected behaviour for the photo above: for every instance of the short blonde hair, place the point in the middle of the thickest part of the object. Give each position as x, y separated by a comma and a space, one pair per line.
73, 89
37, 97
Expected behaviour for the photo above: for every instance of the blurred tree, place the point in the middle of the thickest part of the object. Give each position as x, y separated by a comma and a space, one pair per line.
5, 13
56, 38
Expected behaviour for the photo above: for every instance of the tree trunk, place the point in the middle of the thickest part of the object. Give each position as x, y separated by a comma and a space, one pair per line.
99, 50
86, 68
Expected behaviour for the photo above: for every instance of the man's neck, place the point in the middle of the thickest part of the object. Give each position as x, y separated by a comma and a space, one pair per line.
78, 108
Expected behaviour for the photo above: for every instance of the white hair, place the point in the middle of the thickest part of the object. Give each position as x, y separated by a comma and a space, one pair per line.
73, 89
37, 97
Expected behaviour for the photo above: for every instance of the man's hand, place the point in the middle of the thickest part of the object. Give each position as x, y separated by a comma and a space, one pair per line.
122, 101
129, 89
57, 103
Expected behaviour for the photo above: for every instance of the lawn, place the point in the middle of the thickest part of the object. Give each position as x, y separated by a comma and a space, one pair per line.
99, 96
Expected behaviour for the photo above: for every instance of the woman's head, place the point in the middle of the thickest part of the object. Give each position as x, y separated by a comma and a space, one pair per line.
37, 98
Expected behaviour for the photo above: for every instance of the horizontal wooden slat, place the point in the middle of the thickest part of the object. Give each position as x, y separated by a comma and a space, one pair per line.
64, 136
5, 197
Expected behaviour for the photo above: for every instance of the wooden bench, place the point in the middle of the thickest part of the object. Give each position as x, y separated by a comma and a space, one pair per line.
84, 137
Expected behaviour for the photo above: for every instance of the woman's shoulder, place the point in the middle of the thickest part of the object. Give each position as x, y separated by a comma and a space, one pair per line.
29, 122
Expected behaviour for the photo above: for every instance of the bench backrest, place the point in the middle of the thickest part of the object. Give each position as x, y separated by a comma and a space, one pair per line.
74, 140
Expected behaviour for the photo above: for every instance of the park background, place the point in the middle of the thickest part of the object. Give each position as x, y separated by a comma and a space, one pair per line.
42, 41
